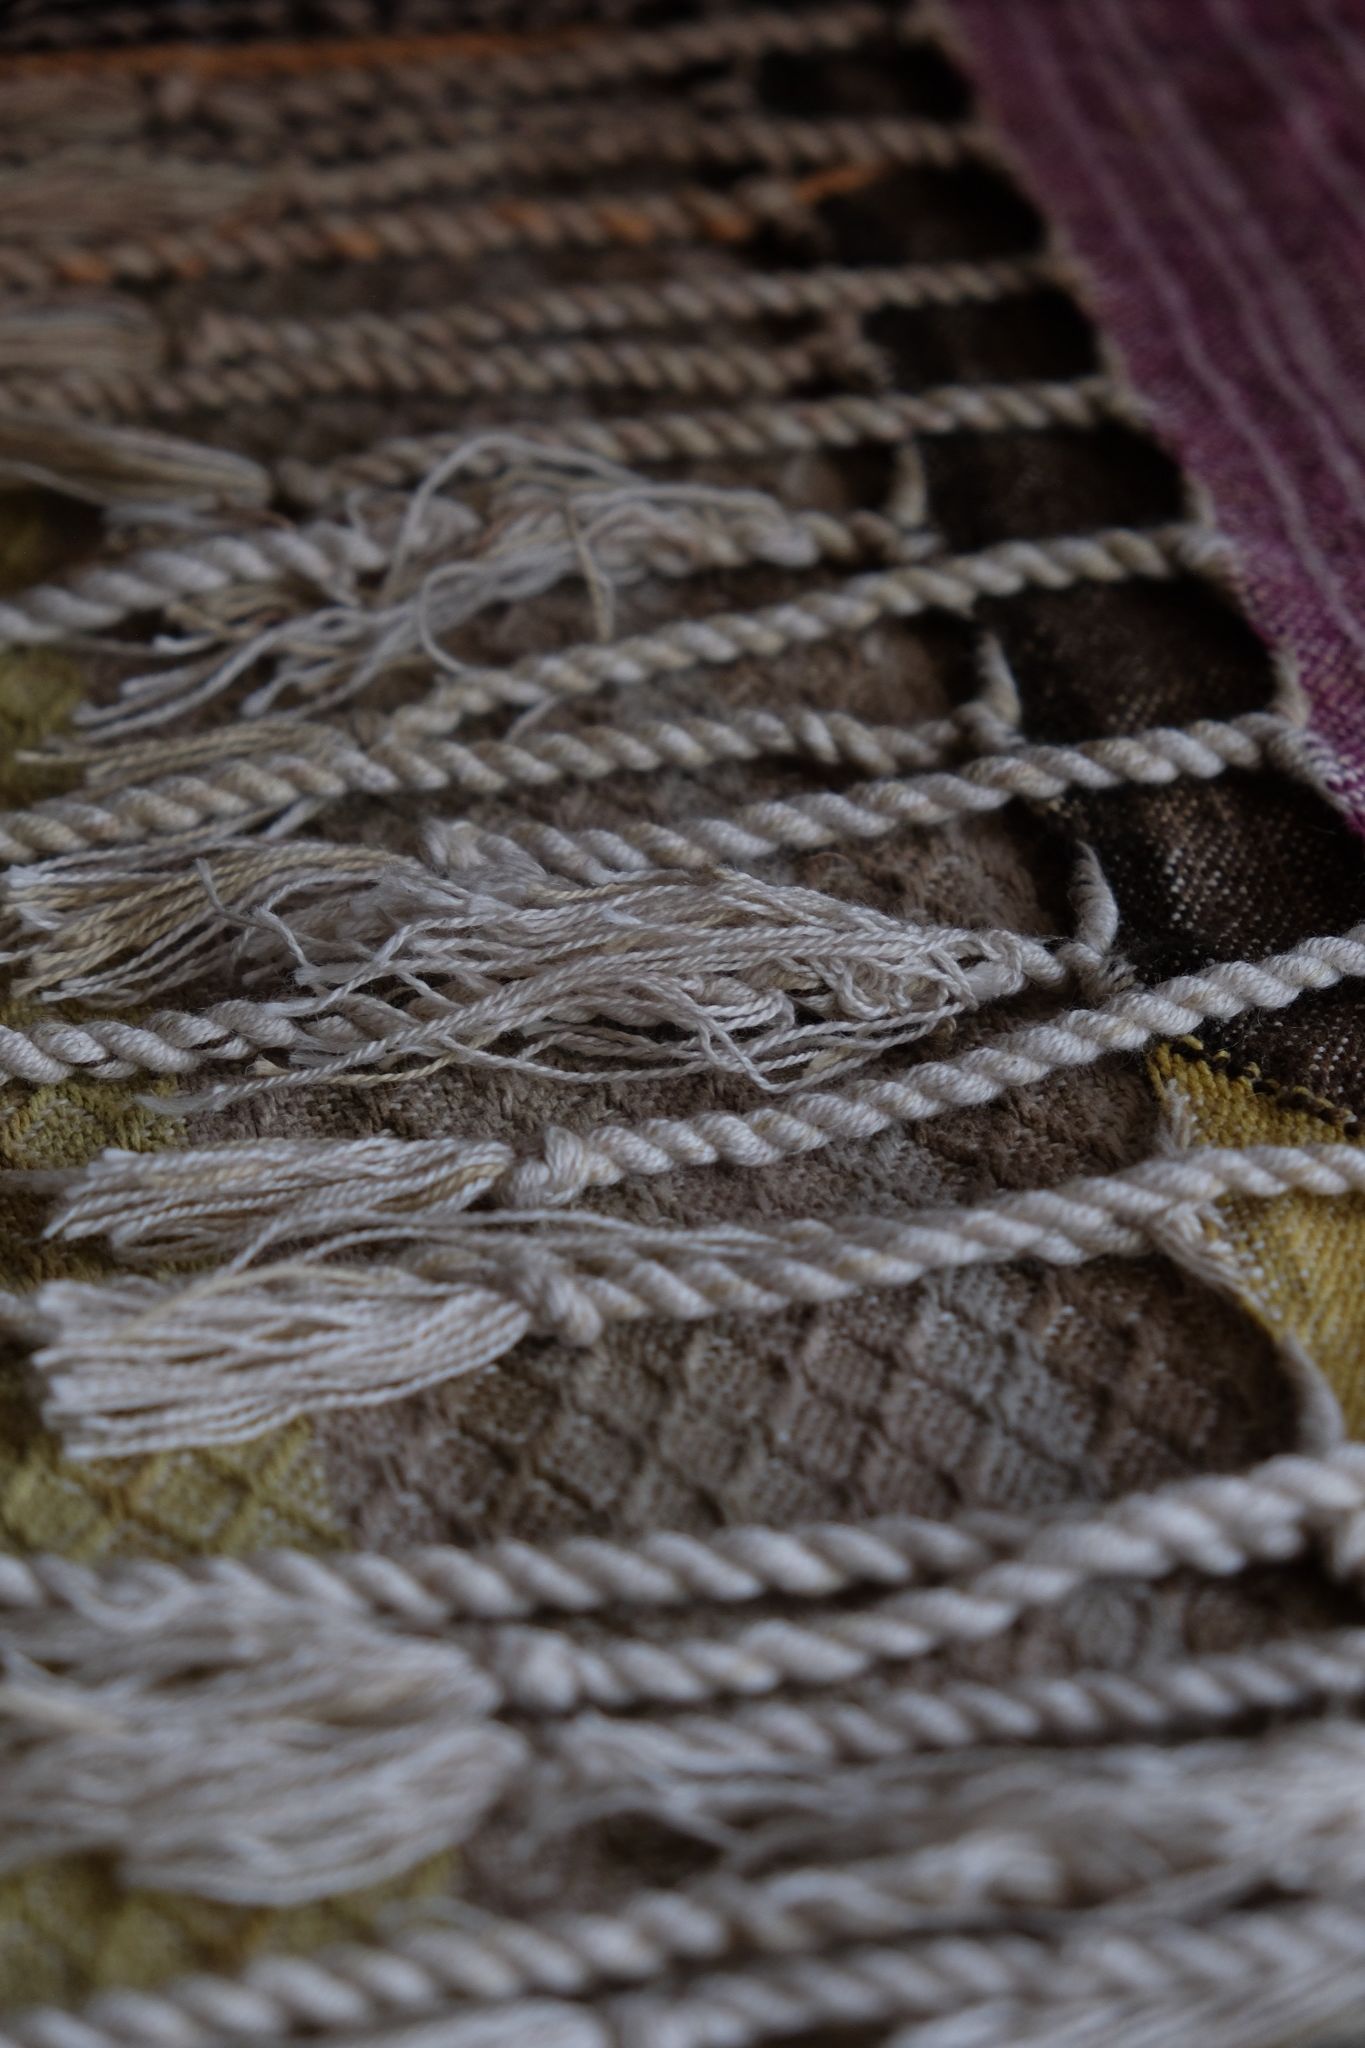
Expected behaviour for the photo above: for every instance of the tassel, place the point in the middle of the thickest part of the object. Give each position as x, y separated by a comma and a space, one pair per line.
138, 1364
550, 515
275, 1746
504, 963
235, 1199
135, 1363
84, 193
98, 337
272, 1763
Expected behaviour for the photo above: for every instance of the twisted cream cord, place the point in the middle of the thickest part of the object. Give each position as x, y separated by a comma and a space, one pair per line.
133, 1365
1213, 1523
735, 370
495, 1960
241, 246
870, 811
135, 1674
180, 1042
594, 856
183, 1715
185, 804
225, 336
331, 557
746, 432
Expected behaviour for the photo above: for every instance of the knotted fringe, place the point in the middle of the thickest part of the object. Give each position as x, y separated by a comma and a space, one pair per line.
220, 1200
720, 971
416, 568
229, 1733
272, 1732
139, 1364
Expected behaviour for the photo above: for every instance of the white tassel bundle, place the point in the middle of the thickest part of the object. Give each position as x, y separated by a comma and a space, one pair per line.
252, 1740
379, 1305
224, 1200
502, 963
420, 567
268, 1762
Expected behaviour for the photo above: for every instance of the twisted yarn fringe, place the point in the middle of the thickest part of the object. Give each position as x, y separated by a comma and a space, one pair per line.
104, 337
167, 189
244, 247
47, 25
1297, 1964
221, 1198
495, 946
452, 1718
328, 764
134, 1365
867, 811
1212, 1523
258, 788
548, 145
505, 966
355, 339
541, 757
744, 432
370, 71
1307, 1999
179, 1042
1064, 1859
398, 355
737, 370
125, 468
332, 558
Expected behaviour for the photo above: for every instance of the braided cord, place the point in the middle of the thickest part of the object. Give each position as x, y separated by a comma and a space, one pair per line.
133, 1365
224, 336
179, 1042
403, 756
1205, 1523
745, 432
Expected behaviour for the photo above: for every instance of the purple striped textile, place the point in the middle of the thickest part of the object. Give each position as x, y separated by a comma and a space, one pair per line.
1206, 160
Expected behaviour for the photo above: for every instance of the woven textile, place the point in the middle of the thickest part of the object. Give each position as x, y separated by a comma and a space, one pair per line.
684, 1038
1227, 262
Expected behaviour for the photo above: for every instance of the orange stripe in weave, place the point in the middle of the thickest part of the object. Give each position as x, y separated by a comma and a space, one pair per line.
257, 60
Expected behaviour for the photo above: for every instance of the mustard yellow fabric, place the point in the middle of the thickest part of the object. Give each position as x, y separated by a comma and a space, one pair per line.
1302, 1259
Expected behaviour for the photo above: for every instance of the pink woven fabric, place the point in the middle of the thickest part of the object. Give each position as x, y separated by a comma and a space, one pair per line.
1206, 158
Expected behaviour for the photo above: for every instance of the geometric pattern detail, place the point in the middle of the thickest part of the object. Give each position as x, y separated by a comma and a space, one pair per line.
258, 1496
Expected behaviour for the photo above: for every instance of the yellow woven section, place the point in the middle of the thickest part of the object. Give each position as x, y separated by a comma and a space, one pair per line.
1302, 1259
69, 1928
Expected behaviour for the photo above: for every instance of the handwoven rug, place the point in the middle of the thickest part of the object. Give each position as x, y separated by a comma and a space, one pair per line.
680, 1074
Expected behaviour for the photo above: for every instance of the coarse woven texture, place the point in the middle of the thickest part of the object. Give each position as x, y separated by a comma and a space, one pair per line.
680, 435
1300, 1267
